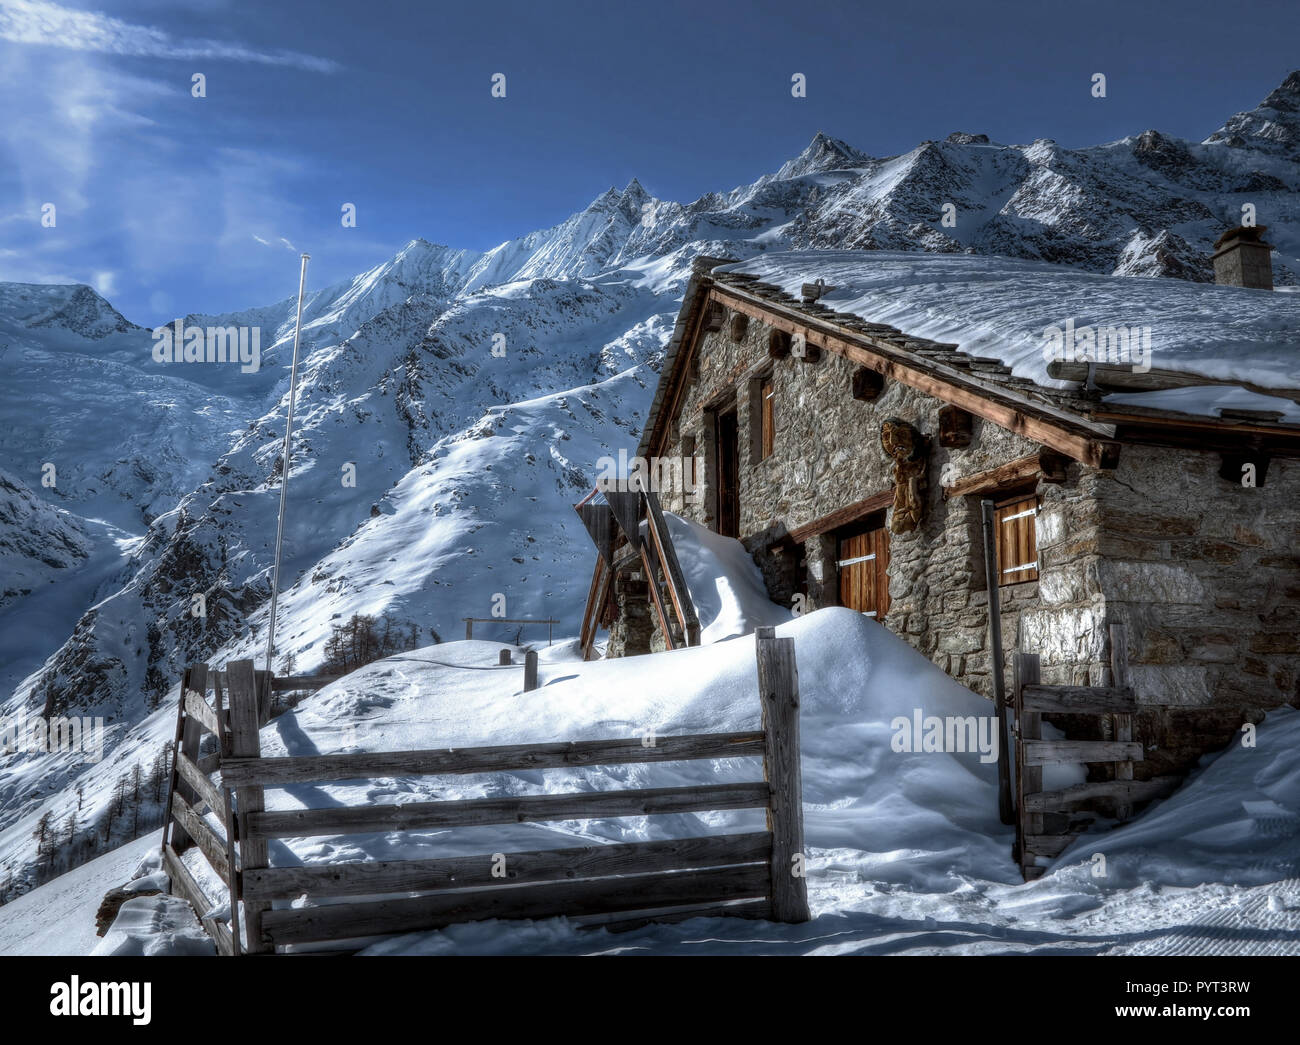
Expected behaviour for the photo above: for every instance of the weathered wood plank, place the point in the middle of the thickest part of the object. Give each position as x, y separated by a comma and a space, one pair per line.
1067, 752
198, 708
206, 790
367, 878
621, 922
184, 886
245, 743
1107, 375
843, 516
1079, 700
1047, 466
547, 900
211, 843
277, 772
677, 590
169, 832
1029, 778
1047, 845
228, 811
1123, 723
419, 816
778, 689
191, 738
1130, 790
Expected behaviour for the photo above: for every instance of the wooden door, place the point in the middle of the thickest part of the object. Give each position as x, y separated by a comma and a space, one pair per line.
728, 475
863, 564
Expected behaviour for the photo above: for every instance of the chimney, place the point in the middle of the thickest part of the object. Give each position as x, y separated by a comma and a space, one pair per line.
1241, 258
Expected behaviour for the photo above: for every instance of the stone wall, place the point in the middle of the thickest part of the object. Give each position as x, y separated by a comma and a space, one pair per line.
1206, 573
828, 455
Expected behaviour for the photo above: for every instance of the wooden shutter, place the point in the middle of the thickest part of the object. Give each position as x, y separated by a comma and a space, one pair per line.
864, 578
768, 434
1017, 540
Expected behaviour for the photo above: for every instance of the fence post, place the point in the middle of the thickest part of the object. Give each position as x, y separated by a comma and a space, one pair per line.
503, 658
530, 670
469, 627
195, 678
244, 743
778, 688
1029, 779
1123, 723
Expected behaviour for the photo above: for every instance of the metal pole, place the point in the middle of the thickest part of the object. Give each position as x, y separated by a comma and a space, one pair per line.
1005, 811
284, 475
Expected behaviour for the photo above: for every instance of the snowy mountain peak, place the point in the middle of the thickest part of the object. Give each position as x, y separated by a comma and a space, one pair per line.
824, 153
1273, 125
68, 306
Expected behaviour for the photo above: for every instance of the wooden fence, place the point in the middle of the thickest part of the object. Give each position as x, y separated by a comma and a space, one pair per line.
754, 874
1043, 825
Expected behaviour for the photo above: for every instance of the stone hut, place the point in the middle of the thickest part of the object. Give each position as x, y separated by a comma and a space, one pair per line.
1139, 467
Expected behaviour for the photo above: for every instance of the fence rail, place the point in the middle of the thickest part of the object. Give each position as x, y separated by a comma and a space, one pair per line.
753, 874
1042, 820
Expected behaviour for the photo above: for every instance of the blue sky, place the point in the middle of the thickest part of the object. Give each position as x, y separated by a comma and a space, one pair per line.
170, 204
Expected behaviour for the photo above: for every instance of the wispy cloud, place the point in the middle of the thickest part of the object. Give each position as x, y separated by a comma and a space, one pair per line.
43, 22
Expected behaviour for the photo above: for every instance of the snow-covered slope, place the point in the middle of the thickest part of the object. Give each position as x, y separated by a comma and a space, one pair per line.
462, 454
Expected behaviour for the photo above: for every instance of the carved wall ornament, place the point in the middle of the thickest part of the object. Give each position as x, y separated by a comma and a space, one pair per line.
910, 450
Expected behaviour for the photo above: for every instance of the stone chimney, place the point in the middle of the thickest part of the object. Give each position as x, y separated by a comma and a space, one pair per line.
1241, 258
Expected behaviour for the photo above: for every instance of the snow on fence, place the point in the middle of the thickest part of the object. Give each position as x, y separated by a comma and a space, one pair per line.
756, 874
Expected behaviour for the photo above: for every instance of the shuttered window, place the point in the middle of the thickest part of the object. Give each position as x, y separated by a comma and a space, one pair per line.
863, 566
767, 435
1017, 540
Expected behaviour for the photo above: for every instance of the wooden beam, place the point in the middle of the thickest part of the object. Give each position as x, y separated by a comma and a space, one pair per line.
1045, 467
184, 886
867, 384
1072, 752
1123, 722
198, 708
212, 844
245, 742
1050, 846
843, 516
1026, 672
375, 877
547, 900
420, 816
1079, 700
204, 788
956, 427
305, 769
1126, 379
1076, 437
1069, 798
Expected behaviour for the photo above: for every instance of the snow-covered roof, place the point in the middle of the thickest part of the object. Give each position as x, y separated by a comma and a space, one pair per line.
1002, 307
